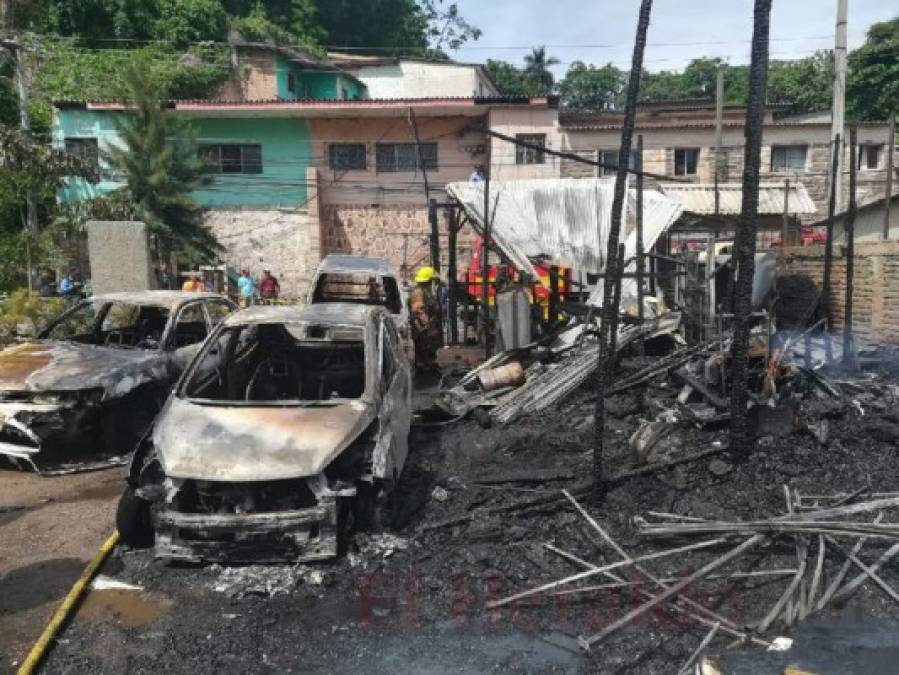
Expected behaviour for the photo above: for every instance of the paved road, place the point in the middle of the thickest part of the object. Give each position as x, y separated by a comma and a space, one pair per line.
49, 529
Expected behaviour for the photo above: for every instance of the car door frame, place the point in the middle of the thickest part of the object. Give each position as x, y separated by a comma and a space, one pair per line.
180, 357
394, 403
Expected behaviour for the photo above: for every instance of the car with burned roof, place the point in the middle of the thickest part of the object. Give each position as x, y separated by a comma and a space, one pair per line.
361, 280
84, 392
290, 425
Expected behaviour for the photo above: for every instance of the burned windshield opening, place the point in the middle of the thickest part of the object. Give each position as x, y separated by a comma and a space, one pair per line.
112, 324
271, 363
358, 288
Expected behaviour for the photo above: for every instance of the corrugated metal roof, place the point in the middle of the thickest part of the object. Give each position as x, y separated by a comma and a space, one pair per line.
700, 198
566, 219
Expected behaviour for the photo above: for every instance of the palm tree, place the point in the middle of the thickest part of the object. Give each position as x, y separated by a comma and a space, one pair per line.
537, 64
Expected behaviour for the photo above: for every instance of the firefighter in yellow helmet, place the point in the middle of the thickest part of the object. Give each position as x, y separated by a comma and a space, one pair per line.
424, 312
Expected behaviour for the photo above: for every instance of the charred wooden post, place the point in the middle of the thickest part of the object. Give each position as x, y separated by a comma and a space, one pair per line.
848, 342
609, 306
452, 275
639, 230
553, 295
744, 242
828, 248
485, 267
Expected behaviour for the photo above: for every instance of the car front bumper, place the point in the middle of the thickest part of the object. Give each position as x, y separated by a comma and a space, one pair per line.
300, 535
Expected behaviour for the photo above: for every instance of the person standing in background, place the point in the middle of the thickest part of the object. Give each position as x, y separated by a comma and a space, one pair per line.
192, 284
269, 288
246, 288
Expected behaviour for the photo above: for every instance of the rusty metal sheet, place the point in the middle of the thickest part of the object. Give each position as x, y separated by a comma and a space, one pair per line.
253, 443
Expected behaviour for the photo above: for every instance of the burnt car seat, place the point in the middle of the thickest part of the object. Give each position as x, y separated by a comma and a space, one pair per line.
275, 379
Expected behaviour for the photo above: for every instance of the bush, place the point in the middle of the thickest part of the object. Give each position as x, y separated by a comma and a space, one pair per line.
22, 307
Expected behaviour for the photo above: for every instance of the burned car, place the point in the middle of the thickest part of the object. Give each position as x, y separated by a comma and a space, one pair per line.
290, 423
85, 391
361, 280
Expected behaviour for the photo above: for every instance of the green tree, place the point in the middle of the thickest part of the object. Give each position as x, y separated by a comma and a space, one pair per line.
160, 167
803, 85
512, 80
186, 21
588, 88
29, 166
537, 66
872, 87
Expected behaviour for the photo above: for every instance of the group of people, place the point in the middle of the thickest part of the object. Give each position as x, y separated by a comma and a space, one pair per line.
248, 289
70, 286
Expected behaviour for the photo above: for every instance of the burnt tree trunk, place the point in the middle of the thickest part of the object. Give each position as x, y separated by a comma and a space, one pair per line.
609, 326
744, 242
848, 343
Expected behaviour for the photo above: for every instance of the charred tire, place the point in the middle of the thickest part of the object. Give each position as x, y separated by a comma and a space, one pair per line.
133, 520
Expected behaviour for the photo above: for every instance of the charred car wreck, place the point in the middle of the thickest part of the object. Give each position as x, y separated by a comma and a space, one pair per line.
291, 422
83, 393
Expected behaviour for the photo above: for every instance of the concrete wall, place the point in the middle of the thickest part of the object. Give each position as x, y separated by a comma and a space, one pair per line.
876, 285
286, 153
659, 145
412, 79
458, 152
119, 254
511, 121
869, 224
86, 124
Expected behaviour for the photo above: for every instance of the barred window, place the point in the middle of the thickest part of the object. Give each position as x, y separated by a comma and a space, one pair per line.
85, 149
346, 156
231, 158
396, 157
525, 155
788, 157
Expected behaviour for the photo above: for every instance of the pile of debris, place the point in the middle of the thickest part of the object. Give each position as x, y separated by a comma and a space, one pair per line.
822, 537
533, 378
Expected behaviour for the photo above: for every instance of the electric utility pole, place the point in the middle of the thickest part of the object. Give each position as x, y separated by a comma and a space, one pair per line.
744, 242
612, 277
719, 130
838, 108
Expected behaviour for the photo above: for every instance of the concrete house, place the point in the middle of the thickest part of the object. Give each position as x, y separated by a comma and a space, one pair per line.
305, 161
679, 141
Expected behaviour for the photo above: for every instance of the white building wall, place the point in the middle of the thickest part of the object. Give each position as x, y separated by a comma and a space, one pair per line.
513, 121
414, 79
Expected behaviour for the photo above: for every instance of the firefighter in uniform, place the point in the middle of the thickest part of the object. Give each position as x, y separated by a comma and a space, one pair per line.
424, 311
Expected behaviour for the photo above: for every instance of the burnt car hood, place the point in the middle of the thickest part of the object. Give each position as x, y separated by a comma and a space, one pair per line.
69, 366
248, 443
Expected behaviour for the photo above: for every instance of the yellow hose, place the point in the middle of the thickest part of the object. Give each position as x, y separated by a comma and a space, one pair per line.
29, 665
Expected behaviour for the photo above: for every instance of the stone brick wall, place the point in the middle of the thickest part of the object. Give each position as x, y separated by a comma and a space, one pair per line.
285, 240
875, 289
399, 233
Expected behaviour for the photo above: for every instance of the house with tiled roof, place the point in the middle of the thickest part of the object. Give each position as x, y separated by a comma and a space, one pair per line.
311, 156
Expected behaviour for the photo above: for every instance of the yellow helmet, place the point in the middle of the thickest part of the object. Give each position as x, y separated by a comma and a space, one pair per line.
424, 275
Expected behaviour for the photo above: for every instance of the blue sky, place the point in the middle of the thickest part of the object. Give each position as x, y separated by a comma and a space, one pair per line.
573, 29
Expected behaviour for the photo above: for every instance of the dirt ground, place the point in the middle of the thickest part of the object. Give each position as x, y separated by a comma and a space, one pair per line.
413, 599
49, 529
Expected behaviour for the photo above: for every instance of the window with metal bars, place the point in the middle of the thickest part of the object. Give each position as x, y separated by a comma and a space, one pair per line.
346, 156
85, 149
524, 155
397, 157
231, 158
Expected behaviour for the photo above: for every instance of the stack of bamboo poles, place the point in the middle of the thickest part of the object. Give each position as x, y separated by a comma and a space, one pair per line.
817, 526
